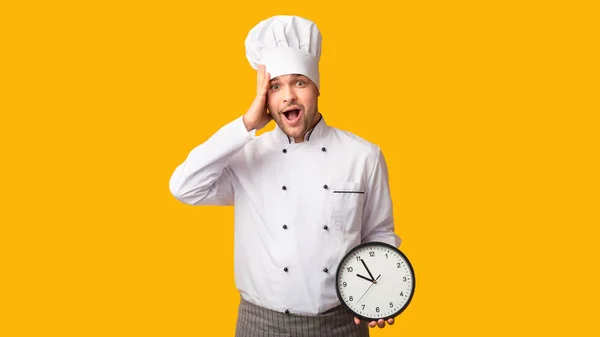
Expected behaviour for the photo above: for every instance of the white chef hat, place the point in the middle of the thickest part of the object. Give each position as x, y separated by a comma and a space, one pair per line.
285, 45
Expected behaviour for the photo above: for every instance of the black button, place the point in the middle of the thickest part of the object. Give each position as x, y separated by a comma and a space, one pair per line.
325, 269
287, 311
323, 149
284, 226
325, 186
325, 227
285, 269
284, 188
284, 150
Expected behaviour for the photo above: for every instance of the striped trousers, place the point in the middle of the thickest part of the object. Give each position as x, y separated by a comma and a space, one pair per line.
256, 321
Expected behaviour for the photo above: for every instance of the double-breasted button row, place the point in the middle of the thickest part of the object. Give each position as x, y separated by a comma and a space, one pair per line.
325, 227
322, 149
325, 270
285, 187
285, 227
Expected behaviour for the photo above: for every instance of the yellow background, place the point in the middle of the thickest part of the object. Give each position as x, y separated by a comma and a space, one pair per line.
486, 112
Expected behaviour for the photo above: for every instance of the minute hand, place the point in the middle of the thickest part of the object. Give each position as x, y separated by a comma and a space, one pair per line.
367, 268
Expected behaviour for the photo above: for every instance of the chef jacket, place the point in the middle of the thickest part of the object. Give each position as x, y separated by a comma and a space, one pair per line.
298, 207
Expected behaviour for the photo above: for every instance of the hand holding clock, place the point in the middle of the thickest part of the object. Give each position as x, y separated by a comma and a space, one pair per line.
380, 323
390, 287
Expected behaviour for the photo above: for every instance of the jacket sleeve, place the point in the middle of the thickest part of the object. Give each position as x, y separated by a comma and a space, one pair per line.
204, 177
378, 218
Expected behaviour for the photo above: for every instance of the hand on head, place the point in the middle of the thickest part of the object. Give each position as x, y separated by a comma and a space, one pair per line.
257, 116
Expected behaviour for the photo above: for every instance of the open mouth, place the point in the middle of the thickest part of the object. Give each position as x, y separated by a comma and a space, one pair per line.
292, 115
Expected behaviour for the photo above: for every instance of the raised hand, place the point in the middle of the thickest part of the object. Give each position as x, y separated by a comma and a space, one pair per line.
257, 117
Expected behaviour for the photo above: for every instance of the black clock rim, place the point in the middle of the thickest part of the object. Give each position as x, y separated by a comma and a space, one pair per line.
410, 268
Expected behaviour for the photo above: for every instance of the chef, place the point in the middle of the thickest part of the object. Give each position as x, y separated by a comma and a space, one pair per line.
304, 194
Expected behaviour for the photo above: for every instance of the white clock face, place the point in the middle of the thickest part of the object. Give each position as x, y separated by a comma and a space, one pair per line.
375, 280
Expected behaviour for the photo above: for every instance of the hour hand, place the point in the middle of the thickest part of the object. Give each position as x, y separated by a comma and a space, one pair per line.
366, 278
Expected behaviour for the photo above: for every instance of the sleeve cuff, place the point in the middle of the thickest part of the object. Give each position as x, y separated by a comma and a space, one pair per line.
240, 123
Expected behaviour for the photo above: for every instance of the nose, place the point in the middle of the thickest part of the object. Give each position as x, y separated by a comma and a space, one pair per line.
289, 95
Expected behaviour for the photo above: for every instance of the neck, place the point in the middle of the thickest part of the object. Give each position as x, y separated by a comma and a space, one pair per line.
314, 122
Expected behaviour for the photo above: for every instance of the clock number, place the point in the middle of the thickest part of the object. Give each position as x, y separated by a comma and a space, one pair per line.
404, 279
349, 269
351, 299
402, 293
345, 284
386, 256
377, 309
398, 264
371, 254
358, 258
363, 307
391, 304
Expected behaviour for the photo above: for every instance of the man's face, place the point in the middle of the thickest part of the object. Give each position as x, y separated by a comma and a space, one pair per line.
292, 101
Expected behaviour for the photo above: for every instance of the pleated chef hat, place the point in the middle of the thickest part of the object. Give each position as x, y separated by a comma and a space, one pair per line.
285, 45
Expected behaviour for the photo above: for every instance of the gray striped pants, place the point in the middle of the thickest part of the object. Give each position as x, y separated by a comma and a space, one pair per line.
255, 321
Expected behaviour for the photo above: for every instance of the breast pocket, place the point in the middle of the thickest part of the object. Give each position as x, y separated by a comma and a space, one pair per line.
348, 199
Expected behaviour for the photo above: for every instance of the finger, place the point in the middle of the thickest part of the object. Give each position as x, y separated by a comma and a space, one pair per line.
267, 80
372, 324
381, 323
391, 321
259, 76
356, 321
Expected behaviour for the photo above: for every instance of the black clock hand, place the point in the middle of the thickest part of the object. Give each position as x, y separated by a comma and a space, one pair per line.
367, 268
366, 278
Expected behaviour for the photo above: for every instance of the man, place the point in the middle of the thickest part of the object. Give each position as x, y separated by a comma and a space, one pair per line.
304, 194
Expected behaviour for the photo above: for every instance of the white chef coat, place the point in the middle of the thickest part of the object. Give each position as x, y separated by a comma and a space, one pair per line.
298, 207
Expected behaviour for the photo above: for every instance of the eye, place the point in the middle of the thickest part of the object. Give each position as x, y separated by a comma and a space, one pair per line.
300, 82
274, 86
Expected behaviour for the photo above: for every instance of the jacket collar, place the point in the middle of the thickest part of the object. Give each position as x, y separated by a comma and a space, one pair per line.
316, 133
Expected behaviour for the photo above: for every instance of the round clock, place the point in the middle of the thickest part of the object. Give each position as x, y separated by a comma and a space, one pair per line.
375, 281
